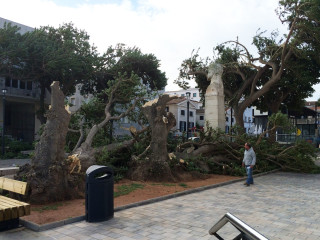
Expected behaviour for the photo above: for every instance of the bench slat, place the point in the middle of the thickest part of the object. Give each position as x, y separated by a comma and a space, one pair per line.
13, 185
23, 208
13, 209
5, 213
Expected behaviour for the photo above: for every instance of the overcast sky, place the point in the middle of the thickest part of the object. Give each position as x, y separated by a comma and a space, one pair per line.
170, 29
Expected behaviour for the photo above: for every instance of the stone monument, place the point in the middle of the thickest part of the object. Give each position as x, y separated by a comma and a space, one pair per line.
214, 107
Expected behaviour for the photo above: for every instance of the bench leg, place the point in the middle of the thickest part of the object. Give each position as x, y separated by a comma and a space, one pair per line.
9, 224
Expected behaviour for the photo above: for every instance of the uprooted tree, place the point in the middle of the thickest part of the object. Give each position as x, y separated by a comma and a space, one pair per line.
49, 173
52, 175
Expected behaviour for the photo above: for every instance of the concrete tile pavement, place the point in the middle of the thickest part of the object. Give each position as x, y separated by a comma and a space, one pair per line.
279, 206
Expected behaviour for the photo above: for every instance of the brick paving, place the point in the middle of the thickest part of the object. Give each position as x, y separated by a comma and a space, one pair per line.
279, 206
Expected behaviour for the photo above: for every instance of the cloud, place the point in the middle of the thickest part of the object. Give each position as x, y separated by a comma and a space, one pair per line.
170, 29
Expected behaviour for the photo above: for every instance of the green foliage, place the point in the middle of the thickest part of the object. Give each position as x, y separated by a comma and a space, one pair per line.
13, 148
301, 157
228, 154
118, 161
211, 135
280, 120
126, 189
183, 185
121, 61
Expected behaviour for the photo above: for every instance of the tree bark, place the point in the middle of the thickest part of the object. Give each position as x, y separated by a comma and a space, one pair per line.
156, 167
49, 175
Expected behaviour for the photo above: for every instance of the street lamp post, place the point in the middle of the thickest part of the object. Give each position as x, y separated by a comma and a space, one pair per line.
188, 98
4, 91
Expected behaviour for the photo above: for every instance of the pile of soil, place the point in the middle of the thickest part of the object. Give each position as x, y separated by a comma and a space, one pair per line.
48, 213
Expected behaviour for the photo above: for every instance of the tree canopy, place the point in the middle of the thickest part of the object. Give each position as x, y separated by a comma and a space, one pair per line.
280, 60
11, 51
126, 60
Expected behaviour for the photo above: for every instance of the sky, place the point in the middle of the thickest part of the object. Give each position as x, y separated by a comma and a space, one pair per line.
169, 29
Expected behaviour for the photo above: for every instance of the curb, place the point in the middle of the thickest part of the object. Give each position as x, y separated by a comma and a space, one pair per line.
8, 171
39, 228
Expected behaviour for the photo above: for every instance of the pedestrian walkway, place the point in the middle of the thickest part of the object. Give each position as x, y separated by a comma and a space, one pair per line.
279, 206
5, 163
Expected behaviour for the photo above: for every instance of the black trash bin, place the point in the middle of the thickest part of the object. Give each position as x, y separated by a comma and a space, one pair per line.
99, 193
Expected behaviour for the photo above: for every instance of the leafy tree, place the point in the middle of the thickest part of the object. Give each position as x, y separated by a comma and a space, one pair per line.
63, 54
248, 78
123, 59
276, 120
10, 51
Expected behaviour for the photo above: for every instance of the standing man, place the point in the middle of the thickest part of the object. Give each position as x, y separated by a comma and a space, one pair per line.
249, 160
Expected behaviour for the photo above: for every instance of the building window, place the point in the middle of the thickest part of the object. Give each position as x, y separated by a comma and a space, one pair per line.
182, 113
22, 85
232, 119
167, 109
227, 119
73, 101
194, 94
201, 118
8, 82
245, 119
182, 126
15, 83
29, 85
191, 114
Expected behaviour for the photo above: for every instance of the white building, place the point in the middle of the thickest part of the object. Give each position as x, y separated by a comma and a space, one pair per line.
77, 99
248, 120
178, 107
195, 95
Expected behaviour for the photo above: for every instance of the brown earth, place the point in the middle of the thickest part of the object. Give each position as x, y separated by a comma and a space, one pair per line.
42, 214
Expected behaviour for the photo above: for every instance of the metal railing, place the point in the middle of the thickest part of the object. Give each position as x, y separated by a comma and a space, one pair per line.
246, 232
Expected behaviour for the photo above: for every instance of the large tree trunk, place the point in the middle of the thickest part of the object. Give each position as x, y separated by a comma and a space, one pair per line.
49, 174
155, 166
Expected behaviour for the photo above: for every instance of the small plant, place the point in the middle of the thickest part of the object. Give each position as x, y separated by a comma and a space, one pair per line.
49, 207
183, 185
126, 189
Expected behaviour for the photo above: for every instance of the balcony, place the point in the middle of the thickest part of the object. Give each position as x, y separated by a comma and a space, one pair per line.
20, 89
23, 93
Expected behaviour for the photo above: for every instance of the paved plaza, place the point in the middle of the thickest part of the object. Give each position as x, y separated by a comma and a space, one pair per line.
279, 206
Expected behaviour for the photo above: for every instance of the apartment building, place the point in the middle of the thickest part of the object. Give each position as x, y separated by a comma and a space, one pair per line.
20, 100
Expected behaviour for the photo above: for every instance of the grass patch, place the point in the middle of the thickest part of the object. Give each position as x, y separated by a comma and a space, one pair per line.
126, 189
183, 185
49, 207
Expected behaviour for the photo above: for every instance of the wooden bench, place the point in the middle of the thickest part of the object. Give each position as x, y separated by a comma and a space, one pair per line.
11, 209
